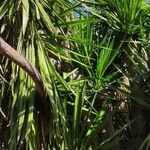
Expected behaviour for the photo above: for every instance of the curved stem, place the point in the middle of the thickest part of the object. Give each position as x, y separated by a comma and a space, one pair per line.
13, 55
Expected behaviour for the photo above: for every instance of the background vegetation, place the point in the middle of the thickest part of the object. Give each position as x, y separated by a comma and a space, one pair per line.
79, 75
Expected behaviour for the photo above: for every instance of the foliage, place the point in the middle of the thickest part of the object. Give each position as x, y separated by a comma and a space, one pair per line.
82, 50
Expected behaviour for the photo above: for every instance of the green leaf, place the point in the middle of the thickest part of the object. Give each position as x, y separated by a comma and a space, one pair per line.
78, 106
25, 14
97, 122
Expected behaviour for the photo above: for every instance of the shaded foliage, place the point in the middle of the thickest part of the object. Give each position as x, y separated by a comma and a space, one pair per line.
93, 58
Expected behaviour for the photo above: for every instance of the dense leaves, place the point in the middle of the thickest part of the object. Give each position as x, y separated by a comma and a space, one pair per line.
93, 59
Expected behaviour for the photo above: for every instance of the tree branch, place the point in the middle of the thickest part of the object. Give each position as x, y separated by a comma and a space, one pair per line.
13, 55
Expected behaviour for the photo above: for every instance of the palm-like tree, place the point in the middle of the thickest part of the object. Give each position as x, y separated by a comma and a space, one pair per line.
128, 22
25, 25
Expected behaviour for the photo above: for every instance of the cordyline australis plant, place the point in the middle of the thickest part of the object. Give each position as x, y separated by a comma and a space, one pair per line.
24, 25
